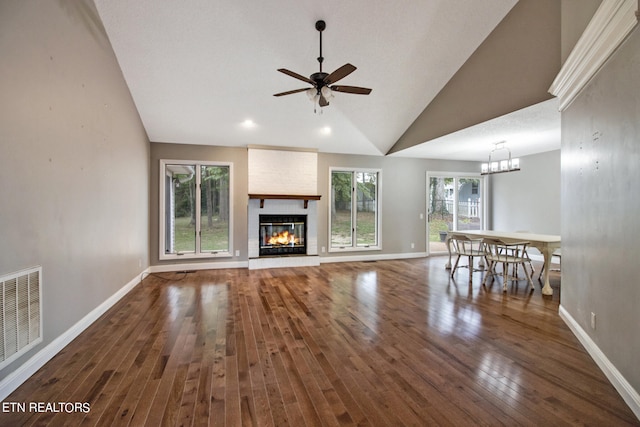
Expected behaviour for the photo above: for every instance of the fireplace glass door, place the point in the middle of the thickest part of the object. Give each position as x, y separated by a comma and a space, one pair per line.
283, 235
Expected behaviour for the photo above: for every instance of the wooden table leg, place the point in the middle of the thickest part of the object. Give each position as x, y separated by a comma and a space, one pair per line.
546, 289
447, 242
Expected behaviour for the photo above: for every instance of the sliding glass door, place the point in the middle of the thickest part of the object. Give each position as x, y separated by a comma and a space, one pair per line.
455, 202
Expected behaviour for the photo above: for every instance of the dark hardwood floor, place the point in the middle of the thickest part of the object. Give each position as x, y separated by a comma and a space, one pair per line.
362, 343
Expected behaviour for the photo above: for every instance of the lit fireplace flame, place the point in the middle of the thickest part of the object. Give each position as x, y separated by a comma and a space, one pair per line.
283, 238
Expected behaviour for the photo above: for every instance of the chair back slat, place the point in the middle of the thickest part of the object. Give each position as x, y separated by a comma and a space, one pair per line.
497, 251
463, 245
501, 251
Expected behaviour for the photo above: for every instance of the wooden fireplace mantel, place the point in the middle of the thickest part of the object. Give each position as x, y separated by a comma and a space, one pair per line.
263, 197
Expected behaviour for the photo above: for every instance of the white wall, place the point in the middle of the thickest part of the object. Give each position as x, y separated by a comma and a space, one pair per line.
74, 165
529, 199
278, 171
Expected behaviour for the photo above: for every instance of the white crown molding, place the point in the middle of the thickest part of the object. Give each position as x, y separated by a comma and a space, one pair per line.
610, 25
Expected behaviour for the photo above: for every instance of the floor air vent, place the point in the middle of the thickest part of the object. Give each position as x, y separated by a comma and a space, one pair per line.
20, 320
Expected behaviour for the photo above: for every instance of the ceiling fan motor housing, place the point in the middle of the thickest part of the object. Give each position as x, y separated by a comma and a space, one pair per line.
318, 78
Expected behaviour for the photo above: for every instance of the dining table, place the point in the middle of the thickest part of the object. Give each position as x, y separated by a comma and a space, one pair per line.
545, 243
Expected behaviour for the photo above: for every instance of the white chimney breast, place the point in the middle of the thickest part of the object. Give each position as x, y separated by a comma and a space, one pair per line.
273, 171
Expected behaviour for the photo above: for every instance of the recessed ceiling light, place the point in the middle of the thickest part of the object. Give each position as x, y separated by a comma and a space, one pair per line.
248, 124
325, 130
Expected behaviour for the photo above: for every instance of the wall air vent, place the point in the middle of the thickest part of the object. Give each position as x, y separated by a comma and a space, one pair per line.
20, 319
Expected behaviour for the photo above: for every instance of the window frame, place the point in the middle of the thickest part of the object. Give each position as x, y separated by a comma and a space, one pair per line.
483, 192
197, 254
354, 236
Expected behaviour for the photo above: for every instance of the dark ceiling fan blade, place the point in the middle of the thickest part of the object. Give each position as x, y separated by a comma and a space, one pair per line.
322, 81
296, 75
289, 92
352, 89
340, 73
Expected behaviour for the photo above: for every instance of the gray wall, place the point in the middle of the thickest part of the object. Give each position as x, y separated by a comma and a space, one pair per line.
74, 161
518, 60
601, 206
237, 156
403, 197
575, 16
529, 199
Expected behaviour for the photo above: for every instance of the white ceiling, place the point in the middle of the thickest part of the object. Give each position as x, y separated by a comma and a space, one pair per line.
198, 69
532, 130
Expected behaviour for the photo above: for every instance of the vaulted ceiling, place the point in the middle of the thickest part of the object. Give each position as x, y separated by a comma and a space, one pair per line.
205, 71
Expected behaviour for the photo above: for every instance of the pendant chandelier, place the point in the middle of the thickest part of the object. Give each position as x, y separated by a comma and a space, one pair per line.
500, 166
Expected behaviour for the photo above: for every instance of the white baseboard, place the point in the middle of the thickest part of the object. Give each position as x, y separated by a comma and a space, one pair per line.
628, 393
540, 257
372, 257
15, 379
284, 262
165, 268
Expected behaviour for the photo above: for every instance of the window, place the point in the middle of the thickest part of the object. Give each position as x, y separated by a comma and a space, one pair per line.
455, 202
354, 209
195, 209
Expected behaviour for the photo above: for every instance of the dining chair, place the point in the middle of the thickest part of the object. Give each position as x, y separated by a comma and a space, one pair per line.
465, 246
497, 251
526, 254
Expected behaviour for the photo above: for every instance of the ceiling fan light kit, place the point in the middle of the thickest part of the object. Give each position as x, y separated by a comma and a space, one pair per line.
323, 88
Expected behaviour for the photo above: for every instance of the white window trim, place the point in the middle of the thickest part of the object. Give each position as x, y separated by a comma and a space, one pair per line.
352, 248
484, 194
161, 225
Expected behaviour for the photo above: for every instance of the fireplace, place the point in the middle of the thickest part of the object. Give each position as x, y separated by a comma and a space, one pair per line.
283, 235
275, 216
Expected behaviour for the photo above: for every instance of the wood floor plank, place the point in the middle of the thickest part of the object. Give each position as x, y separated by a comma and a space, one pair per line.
68, 369
385, 343
112, 394
134, 390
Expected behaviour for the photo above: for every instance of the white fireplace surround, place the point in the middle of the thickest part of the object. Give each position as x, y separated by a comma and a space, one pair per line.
282, 207
266, 177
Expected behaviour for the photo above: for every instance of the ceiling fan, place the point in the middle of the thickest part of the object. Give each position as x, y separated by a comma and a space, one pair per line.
323, 83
